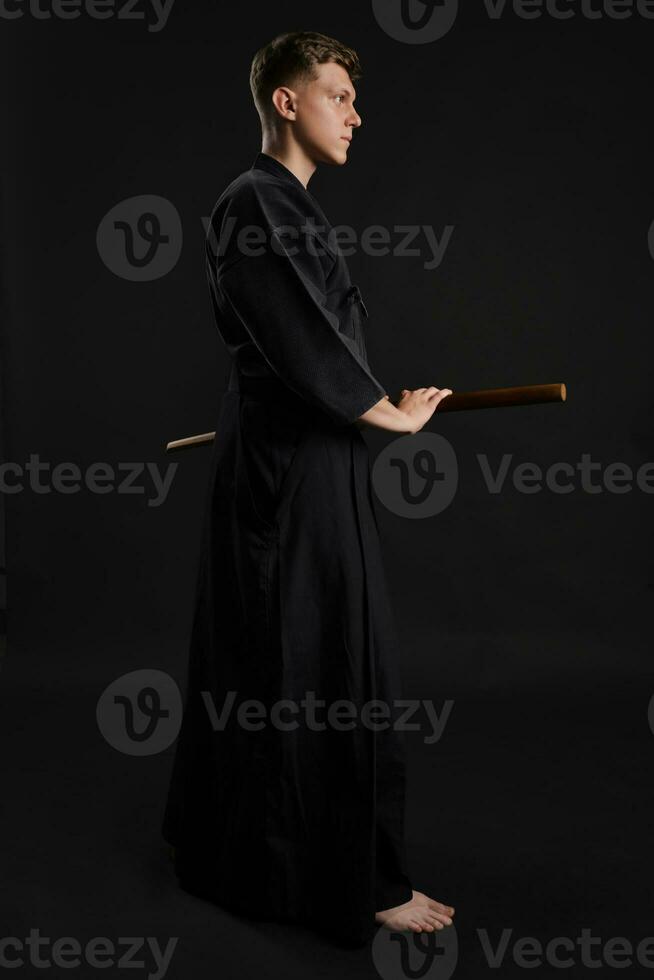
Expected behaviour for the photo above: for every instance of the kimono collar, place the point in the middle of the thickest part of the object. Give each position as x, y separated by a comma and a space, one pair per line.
264, 161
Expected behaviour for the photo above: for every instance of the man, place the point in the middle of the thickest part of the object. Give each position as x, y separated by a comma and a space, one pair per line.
294, 816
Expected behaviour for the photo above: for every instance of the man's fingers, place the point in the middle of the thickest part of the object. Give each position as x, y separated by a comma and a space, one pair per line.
431, 392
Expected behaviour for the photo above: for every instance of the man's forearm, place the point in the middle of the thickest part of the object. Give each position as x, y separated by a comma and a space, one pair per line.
384, 415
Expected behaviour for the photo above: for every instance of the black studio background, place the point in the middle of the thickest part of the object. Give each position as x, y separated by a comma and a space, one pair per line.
529, 611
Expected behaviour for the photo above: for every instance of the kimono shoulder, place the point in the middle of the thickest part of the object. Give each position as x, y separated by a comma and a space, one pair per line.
258, 206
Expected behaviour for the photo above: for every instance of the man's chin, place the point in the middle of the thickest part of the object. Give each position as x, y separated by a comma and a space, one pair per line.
336, 157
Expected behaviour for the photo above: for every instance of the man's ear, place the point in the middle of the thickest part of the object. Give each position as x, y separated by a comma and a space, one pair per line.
284, 101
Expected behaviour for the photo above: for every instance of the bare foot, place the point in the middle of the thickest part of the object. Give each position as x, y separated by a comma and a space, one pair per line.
421, 913
445, 911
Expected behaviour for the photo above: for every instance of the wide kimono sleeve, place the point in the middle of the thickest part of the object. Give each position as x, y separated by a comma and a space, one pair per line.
277, 289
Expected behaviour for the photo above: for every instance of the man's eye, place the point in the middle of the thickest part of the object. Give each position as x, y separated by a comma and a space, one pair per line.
340, 96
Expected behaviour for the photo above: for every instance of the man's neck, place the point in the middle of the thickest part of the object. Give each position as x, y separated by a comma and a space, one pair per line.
293, 158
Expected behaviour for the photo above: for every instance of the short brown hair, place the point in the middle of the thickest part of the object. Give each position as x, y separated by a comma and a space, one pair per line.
291, 57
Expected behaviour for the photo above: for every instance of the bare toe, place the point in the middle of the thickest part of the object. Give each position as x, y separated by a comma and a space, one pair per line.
419, 898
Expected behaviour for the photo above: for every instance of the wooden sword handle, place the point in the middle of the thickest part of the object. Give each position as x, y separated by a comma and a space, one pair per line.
458, 401
502, 397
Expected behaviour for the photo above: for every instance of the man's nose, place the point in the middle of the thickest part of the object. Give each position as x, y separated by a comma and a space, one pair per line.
354, 120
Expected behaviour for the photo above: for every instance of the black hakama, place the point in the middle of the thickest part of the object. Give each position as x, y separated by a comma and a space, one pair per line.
294, 810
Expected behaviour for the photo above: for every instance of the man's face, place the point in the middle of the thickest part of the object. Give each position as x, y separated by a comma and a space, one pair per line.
326, 117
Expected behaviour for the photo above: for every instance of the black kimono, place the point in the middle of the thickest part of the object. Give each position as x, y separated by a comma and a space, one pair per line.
291, 816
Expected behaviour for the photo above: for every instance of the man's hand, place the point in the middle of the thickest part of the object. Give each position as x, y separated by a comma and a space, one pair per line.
408, 414
419, 405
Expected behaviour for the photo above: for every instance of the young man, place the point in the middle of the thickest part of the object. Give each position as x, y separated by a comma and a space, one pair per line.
295, 813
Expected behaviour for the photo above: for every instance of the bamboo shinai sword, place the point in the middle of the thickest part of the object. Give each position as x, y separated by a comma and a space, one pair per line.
458, 401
